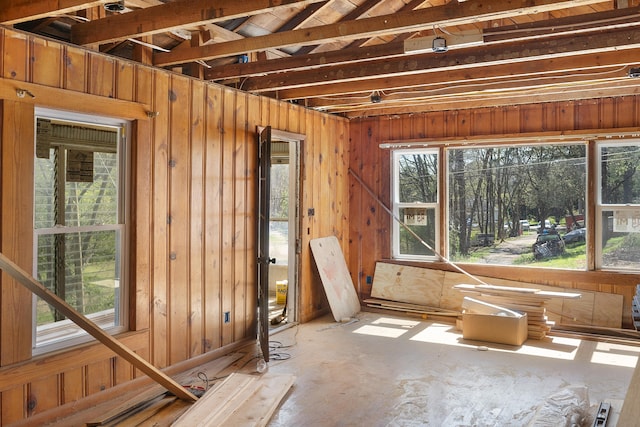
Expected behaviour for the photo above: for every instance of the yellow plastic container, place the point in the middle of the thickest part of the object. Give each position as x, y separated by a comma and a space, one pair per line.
281, 291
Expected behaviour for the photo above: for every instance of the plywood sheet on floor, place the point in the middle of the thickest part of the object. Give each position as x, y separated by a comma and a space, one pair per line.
335, 277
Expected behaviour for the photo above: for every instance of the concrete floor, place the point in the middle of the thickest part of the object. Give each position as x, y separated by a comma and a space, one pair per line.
390, 370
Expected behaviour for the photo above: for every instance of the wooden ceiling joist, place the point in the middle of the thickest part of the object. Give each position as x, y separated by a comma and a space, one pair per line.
601, 63
619, 18
453, 13
169, 16
618, 40
16, 11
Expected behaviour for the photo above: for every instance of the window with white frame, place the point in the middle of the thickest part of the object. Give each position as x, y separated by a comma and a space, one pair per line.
506, 205
415, 203
79, 224
518, 205
618, 207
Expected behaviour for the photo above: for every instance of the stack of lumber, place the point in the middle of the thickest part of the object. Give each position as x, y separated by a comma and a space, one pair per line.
404, 307
524, 300
239, 400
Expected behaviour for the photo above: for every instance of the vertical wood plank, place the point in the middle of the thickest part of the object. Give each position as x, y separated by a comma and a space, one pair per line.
44, 394
197, 199
98, 376
179, 212
305, 303
141, 207
122, 371
72, 385
241, 213
143, 85
74, 74
46, 64
13, 405
124, 80
355, 258
253, 119
15, 54
228, 222
105, 68
160, 128
16, 216
213, 218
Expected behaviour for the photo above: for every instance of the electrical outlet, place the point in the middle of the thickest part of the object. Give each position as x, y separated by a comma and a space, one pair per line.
227, 317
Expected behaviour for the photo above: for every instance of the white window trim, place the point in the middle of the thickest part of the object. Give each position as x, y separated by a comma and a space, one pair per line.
77, 335
395, 226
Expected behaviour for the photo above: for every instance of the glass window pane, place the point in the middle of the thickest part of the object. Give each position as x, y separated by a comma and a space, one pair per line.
517, 205
418, 175
80, 268
620, 184
94, 202
45, 179
423, 224
620, 239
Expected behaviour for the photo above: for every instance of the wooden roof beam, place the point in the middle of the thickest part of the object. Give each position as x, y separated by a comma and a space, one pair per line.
493, 100
453, 13
170, 16
16, 11
592, 21
609, 63
506, 53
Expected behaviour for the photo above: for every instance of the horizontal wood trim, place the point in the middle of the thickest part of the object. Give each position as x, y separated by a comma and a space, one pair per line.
45, 365
523, 137
72, 101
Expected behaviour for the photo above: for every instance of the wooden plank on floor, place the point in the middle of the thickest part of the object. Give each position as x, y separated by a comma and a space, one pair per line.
335, 277
415, 308
239, 400
407, 284
141, 401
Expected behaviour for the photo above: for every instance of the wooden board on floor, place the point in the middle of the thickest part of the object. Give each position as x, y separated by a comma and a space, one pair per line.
335, 277
408, 284
239, 400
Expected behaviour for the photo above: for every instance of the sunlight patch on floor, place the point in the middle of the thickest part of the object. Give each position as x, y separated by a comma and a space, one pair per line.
562, 348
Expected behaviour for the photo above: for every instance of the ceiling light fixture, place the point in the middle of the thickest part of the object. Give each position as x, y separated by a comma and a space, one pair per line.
634, 72
375, 97
115, 6
439, 45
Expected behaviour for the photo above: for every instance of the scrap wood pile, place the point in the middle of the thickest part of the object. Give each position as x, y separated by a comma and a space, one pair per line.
524, 300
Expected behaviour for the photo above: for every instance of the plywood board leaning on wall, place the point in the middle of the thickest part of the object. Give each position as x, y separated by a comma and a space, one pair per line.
335, 277
436, 289
398, 283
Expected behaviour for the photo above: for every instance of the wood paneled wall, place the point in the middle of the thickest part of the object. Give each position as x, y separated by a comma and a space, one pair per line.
370, 224
193, 213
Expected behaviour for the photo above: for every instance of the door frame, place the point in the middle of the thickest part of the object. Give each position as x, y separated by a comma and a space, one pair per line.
296, 143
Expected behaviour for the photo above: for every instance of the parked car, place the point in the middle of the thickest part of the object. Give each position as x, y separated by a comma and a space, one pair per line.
548, 245
575, 236
524, 225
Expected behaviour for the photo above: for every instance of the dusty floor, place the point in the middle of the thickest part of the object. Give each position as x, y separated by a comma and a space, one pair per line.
387, 370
